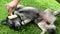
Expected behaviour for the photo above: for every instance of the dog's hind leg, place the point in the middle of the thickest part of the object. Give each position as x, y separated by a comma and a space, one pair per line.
26, 21
19, 7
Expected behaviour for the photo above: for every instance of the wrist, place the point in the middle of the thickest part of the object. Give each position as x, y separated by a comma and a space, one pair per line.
16, 0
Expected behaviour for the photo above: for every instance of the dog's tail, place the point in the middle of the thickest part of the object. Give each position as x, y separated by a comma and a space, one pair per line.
4, 22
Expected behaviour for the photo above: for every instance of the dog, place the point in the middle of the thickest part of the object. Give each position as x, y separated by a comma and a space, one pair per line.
23, 15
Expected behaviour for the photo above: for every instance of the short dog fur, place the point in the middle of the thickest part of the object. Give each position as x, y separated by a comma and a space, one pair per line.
45, 20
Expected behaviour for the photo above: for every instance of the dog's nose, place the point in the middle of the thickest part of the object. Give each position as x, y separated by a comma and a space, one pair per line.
52, 31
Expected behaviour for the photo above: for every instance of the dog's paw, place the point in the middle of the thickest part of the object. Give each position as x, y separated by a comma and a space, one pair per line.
12, 16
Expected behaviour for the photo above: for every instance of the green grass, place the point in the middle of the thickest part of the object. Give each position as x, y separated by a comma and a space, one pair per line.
30, 28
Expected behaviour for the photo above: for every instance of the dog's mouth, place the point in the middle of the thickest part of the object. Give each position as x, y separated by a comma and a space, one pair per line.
52, 31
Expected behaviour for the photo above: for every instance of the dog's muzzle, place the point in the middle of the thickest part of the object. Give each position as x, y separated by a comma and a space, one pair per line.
52, 31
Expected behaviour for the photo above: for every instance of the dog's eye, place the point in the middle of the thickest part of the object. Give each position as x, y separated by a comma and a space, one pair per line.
48, 23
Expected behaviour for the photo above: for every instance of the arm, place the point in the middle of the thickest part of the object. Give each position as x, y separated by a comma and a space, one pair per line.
10, 6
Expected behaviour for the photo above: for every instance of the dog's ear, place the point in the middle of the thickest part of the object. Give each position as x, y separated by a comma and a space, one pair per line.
19, 7
48, 11
56, 13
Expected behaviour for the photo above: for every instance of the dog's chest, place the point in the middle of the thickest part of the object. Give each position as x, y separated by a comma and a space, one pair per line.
50, 17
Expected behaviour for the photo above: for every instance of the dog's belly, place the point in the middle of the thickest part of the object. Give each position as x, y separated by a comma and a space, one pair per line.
26, 18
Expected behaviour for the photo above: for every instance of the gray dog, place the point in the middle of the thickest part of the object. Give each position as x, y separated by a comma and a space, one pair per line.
23, 15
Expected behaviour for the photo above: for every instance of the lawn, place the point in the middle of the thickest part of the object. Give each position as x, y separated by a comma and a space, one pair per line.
30, 28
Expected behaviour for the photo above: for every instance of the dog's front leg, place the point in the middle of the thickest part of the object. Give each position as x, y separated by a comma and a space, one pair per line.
43, 27
43, 31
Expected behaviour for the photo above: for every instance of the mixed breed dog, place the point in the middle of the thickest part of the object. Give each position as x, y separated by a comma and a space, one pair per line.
24, 15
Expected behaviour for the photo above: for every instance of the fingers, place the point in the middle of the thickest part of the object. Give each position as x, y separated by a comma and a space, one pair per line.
9, 9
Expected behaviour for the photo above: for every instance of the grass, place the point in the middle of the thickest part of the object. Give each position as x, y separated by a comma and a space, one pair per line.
30, 28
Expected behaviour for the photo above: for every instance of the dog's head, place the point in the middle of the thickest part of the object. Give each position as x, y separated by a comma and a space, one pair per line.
14, 23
